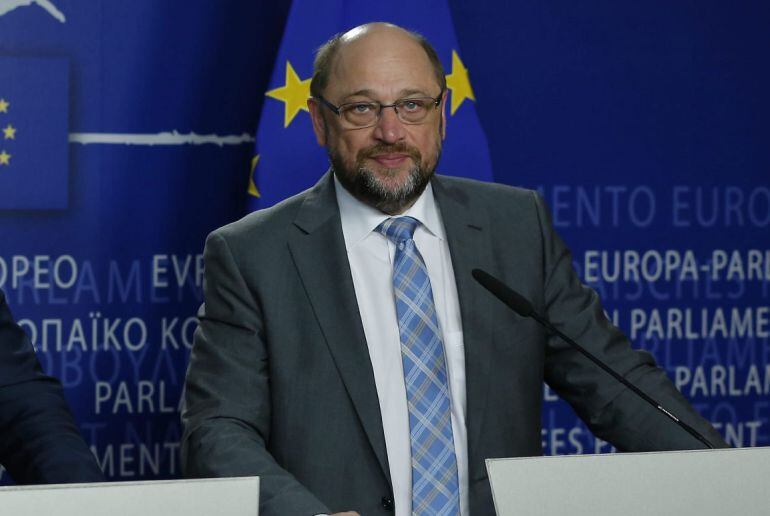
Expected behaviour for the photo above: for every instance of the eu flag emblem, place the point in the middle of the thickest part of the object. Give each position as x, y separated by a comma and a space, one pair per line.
287, 159
34, 102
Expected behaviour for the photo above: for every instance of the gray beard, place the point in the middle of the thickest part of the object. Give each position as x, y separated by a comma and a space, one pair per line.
364, 185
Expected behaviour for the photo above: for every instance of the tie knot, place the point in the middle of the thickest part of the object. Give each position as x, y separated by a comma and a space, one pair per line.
398, 229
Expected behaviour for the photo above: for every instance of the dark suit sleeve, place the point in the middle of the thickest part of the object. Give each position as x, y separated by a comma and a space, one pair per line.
227, 400
613, 412
39, 441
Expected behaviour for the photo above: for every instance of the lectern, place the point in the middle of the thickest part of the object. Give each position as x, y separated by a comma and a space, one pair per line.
205, 497
701, 482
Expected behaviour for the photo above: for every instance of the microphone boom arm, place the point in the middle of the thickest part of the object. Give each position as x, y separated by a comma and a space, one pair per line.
524, 308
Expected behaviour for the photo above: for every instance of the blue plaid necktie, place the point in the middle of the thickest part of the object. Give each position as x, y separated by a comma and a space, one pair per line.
435, 488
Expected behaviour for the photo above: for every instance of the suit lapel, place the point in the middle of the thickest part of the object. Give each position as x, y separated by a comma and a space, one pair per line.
470, 247
318, 251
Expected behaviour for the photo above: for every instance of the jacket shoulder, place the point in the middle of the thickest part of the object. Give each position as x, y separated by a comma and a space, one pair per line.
493, 196
269, 223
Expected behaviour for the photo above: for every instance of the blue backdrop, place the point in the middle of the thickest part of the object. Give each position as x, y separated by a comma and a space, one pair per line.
127, 132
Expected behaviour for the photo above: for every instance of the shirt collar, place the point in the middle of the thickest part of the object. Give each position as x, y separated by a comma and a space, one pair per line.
359, 219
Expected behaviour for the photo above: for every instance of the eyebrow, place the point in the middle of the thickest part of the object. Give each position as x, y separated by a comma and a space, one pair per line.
408, 92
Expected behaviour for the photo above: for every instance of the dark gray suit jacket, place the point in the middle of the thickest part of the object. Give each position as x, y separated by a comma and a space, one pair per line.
39, 441
280, 383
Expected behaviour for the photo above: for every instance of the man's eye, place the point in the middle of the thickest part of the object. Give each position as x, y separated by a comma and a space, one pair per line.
412, 105
361, 109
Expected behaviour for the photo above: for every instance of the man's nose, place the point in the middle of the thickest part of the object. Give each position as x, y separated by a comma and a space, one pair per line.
389, 128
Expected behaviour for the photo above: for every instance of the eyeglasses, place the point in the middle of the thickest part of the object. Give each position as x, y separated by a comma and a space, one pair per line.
358, 115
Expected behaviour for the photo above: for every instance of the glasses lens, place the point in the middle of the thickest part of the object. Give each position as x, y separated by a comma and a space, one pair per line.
413, 111
365, 114
360, 114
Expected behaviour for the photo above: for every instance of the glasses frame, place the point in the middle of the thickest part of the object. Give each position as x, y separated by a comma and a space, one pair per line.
337, 110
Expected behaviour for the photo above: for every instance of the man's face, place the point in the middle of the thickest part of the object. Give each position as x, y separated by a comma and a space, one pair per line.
389, 164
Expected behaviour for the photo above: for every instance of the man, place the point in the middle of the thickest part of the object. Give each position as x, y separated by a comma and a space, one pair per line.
308, 372
39, 441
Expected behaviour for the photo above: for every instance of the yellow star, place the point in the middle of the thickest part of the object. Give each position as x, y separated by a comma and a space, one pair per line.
5, 158
252, 185
458, 82
294, 94
9, 132
4, 105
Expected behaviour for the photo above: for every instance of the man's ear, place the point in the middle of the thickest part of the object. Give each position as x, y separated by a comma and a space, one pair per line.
319, 126
442, 127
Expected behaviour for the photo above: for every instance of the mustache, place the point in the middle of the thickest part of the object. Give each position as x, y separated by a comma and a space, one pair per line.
396, 148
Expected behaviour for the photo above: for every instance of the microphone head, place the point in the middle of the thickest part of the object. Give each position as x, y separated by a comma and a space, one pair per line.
504, 293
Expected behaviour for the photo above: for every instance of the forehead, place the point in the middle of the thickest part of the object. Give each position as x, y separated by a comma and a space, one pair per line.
385, 63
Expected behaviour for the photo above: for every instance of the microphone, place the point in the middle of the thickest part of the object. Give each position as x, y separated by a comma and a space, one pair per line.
524, 308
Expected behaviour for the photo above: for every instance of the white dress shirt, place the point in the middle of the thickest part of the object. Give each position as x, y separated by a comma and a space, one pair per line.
371, 257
